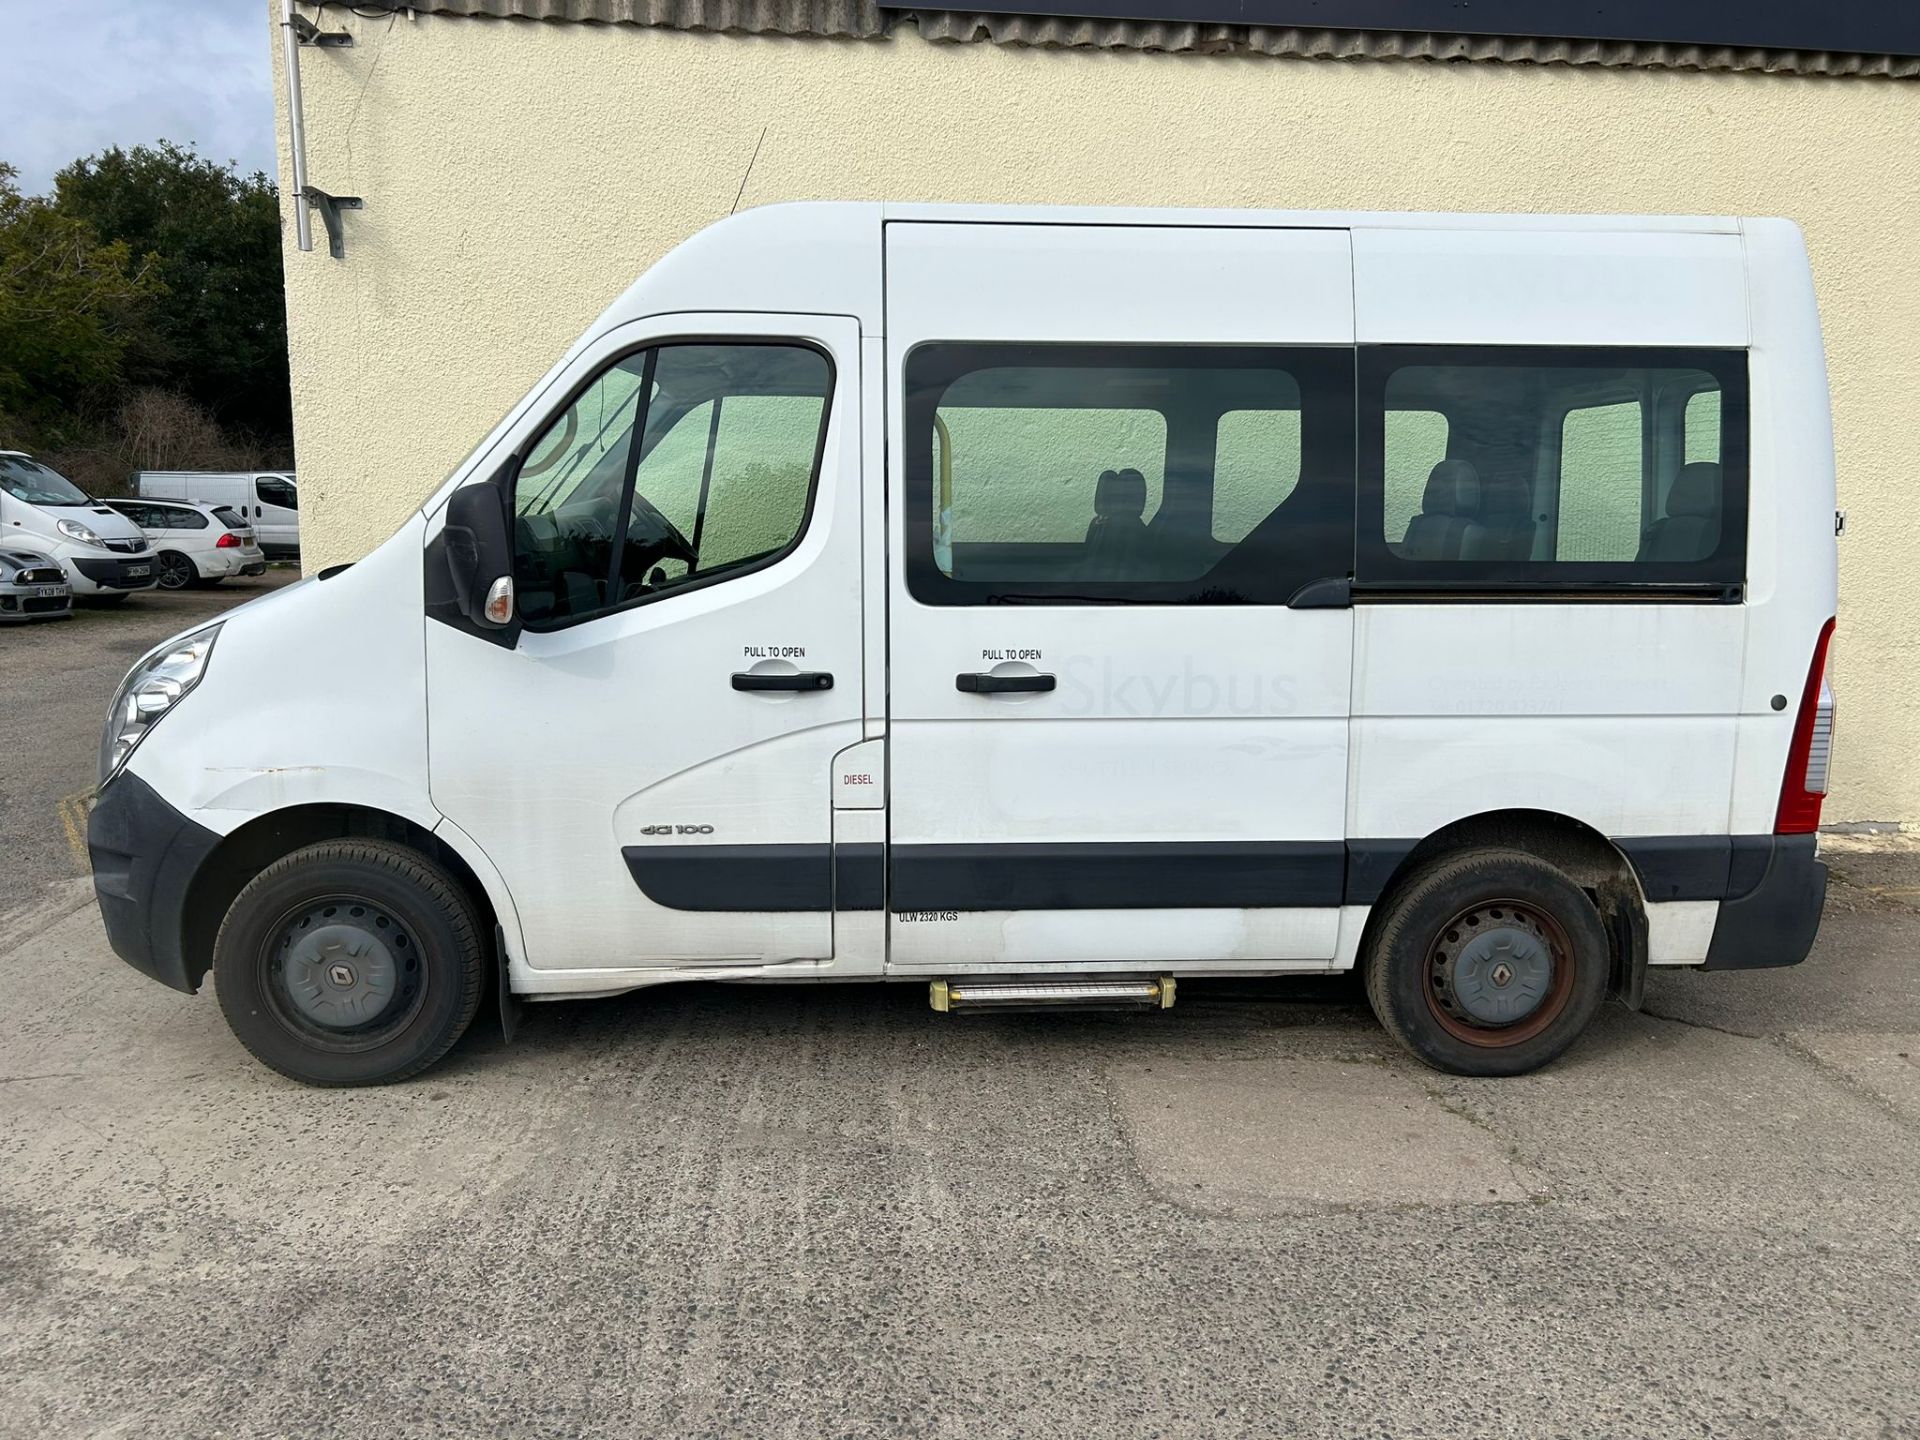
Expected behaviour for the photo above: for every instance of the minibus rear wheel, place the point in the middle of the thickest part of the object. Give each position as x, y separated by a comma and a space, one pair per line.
350, 962
1487, 962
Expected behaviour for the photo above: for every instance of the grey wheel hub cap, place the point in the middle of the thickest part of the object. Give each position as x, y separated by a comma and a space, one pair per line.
340, 976
1501, 975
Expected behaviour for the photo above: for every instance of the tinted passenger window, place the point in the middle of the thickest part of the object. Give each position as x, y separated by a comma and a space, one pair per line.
1416, 442
1095, 474
176, 517
1601, 479
1010, 472
1256, 464
1552, 468
674, 467
1703, 426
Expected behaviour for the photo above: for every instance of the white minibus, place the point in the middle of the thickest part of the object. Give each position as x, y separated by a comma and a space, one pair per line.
1045, 606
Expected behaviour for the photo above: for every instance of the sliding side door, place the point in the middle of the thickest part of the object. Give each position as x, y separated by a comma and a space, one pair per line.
1121, 476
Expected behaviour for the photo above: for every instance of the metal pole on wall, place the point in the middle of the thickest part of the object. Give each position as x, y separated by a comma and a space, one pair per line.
296, 127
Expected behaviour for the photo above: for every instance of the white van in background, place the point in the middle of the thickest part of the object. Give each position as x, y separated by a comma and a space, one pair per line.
268, 500
103, 553
1044, 606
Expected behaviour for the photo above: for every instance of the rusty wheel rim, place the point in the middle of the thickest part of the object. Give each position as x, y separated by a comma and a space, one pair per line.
1498, 973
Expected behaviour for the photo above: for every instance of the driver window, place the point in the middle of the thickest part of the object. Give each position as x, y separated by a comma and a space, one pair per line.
567, 495
676, 466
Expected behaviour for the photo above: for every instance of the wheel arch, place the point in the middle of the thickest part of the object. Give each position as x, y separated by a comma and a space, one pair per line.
1589, 859
249, 848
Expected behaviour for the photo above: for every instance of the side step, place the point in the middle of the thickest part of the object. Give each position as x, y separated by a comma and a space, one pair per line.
947, 996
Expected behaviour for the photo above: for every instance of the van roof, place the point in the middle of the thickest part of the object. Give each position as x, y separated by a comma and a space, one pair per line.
888, 211
824, 256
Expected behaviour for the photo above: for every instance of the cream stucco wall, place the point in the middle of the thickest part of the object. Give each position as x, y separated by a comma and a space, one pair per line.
519, 174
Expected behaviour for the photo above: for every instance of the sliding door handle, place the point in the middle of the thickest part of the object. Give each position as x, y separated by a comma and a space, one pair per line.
978, 683
806, 681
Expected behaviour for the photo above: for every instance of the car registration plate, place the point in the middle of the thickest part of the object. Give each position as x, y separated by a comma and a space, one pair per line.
47, 592
139, 572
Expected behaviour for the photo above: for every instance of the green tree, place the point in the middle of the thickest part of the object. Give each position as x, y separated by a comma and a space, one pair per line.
69, 306
219, 330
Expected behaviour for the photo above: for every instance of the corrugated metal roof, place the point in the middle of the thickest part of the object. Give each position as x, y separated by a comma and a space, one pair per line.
862, 19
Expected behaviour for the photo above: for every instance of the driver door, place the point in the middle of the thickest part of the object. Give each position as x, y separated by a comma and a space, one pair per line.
649, 764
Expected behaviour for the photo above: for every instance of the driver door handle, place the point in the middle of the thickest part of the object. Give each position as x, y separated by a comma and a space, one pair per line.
804, 681
981, 683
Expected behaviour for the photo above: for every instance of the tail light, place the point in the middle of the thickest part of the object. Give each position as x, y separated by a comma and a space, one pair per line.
1804, 785
226, 541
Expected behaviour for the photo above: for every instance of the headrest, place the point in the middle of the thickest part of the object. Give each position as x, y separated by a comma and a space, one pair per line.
1696, 490
1453, 488
1120, 495
1506, 498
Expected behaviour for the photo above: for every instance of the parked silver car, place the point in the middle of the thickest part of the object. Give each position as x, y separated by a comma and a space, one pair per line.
33, 587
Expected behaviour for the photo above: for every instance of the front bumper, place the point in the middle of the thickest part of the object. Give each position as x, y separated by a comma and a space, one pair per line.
25, 602
145, 856
134, 572
1774, 893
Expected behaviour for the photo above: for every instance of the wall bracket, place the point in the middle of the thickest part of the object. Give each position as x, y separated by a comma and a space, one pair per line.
330, 207
308, 33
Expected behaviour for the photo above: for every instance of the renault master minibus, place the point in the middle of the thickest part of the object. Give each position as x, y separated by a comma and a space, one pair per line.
1044, 607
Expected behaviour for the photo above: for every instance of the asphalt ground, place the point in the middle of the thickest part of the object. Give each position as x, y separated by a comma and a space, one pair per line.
56, 678
809, 1212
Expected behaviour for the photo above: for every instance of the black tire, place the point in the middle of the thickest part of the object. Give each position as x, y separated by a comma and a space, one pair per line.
174, 571
305, 1001
1433, 963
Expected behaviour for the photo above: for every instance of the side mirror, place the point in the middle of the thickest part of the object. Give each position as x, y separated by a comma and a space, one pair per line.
469, 563
480, 553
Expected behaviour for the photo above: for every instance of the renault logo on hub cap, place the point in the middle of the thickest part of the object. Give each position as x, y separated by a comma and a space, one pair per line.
340, 974
1502, 974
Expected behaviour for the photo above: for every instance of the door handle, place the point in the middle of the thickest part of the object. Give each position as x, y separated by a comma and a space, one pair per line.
805, 680
978, 683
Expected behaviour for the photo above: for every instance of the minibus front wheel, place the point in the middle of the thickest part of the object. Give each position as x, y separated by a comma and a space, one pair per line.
1489, 962
350, 962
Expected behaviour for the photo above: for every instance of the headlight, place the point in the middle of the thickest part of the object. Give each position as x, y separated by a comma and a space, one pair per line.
152, 688
74, 530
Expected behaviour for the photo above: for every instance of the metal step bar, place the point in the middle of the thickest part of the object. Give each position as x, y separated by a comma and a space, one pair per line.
1155, 993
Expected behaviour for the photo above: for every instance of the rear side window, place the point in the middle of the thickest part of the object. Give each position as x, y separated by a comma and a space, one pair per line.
178, 517
1070, 474
1552, 469
225, 515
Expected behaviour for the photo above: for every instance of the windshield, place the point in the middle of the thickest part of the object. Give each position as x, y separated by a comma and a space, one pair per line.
34, 483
